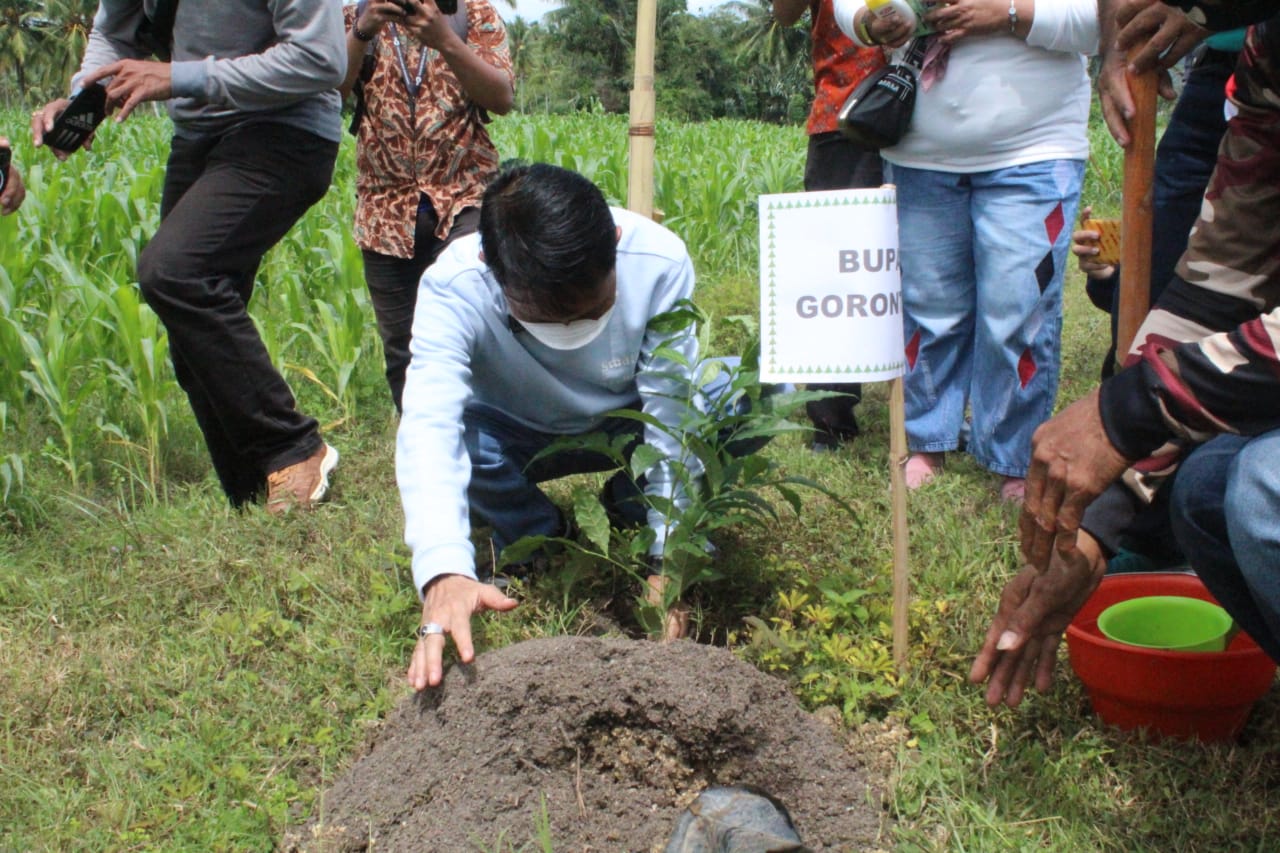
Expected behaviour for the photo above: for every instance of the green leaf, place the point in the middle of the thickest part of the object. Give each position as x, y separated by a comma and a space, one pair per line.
591, 519
645, 457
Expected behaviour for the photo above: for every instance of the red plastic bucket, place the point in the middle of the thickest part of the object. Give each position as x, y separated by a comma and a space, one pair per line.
1184, 695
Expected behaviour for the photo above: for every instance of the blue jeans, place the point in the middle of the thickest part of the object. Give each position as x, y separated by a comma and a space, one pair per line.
1226, 516
983, 256
504, 494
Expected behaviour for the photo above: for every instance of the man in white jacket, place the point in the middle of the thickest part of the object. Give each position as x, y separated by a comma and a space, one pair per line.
535, 328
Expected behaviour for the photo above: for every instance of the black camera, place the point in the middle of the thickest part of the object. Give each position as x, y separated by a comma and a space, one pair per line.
81, 117
447, 7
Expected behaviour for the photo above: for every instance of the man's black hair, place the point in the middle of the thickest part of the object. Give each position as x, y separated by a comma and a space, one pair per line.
548, 236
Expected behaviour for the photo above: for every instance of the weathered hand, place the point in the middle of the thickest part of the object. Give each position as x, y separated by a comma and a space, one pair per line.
1114, 96
955, 20
133, 81
1154, 35
450, 602
1035, 608
1072, 461
14, 191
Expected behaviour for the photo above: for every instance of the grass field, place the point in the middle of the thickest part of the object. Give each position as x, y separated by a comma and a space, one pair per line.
178, 676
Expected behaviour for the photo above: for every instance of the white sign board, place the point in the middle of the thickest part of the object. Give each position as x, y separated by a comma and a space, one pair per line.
830, 286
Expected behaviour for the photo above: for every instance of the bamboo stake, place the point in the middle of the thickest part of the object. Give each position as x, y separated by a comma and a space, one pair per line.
643, 108
898, 487
1135, 226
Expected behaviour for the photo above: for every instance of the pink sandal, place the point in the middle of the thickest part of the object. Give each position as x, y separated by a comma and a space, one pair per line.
921, 468
1013, 489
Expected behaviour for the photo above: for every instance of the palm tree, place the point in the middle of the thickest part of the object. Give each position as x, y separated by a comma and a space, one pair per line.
774, 58
20, 35
768, 42
600, 36
69, 25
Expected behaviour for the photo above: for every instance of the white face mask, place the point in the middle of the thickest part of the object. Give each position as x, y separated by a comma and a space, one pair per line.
564, 336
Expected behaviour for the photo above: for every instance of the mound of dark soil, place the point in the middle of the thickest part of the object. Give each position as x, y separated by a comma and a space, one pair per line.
603, 741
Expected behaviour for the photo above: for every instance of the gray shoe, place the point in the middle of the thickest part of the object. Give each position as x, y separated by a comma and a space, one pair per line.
735, 820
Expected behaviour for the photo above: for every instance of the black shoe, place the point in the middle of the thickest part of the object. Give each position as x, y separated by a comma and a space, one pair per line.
827, 438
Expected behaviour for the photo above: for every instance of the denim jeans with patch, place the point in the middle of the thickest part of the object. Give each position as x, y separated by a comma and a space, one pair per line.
983, 256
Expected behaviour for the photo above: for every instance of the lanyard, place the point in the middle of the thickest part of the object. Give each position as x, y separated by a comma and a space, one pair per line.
414, 85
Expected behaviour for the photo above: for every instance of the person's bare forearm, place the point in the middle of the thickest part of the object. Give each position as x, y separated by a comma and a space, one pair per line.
487, 85
787, 12
356, 50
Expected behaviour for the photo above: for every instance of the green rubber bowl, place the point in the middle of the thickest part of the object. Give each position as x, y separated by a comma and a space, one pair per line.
1170, 622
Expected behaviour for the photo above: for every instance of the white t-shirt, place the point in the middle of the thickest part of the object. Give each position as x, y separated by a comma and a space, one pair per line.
1004, 101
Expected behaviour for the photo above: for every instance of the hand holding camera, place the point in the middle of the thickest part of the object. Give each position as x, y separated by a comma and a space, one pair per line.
12, 192
66, 125
435, 23
411, 14
378, 14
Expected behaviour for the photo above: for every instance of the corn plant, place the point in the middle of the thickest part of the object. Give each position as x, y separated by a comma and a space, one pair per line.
12, 465
143, 377
338, 334
56, 373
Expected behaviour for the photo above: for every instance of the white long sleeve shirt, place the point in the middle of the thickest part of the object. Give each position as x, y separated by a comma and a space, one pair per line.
1004, 101
464, 353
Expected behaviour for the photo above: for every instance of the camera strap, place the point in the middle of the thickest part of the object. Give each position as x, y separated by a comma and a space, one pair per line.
412, 85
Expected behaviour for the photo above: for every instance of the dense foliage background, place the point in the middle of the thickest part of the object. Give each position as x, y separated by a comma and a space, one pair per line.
732, 63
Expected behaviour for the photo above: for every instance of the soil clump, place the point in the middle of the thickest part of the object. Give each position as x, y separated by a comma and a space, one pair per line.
602, 742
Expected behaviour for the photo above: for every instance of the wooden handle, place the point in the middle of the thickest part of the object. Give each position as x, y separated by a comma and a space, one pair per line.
643, 108
898, 486
1135, 228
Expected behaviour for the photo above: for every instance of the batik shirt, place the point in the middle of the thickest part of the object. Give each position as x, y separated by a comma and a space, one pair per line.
1206, 361
839, 65
437, 146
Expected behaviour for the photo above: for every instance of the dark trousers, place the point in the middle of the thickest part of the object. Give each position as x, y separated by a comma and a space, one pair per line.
835, 163
393, 287
227, 200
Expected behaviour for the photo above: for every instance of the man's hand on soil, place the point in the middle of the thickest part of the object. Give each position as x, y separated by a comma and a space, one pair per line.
1035, 608
450, 602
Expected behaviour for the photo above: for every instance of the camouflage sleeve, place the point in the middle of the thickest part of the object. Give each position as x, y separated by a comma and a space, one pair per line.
1226, 383
1219, 15
1205, 360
